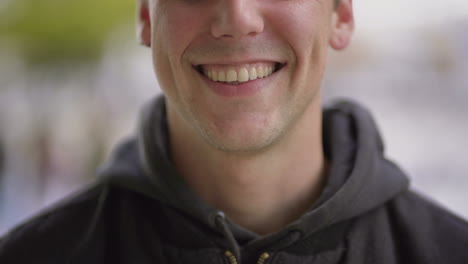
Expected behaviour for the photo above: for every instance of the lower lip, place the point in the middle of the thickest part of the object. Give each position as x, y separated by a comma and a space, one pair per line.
240, 90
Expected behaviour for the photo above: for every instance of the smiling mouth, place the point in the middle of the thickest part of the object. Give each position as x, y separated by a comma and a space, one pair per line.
237, 74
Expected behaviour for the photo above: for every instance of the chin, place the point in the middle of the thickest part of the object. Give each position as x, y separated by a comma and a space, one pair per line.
240, 146
242, 138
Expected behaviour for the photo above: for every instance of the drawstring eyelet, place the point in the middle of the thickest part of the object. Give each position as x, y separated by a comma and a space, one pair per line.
231, 257
263, 258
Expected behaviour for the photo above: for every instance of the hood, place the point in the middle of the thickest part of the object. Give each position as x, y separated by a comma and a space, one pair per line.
360, 178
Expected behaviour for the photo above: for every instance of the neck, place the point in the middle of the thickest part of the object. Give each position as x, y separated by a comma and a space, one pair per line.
262, 192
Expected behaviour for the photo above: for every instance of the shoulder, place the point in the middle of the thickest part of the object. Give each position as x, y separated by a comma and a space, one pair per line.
54, 233
429, 228
417, 230
418, 212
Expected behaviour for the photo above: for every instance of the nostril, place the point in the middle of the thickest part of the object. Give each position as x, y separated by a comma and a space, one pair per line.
225, 36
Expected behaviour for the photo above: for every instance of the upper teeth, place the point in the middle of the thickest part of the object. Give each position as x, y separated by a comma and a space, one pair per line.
238, 74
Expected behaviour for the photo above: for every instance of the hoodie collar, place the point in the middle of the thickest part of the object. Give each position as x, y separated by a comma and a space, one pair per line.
359, 179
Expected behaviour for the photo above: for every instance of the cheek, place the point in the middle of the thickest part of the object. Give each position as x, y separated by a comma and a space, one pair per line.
179, 27
174, 29
306, 31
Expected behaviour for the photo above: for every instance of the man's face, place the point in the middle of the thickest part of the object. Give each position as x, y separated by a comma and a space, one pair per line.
241, 73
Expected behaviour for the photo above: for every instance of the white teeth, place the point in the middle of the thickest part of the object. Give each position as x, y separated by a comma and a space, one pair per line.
243, 75
221, 76
260, 72
231, 76
240, 74
253, 73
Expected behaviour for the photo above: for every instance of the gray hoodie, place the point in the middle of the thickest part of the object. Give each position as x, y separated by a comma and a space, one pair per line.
141, 211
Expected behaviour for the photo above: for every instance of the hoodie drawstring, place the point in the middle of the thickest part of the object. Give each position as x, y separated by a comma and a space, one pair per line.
233, 255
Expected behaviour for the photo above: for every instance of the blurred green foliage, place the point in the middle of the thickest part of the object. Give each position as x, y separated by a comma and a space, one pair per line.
51, 31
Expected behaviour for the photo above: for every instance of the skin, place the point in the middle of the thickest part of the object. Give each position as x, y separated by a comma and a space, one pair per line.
262, 162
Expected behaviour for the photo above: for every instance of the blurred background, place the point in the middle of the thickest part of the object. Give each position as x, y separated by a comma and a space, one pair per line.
73, 77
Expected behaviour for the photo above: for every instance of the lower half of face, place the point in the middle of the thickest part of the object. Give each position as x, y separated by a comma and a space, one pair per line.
241, 117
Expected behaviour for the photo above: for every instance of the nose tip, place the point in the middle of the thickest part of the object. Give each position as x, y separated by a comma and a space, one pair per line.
236, 19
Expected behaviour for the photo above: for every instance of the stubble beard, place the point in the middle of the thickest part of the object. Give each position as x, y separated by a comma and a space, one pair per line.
271, 133
242, 144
